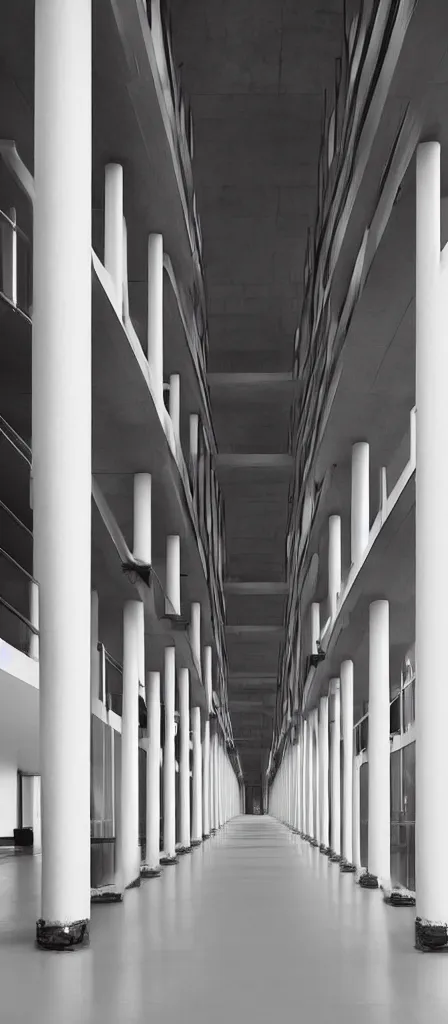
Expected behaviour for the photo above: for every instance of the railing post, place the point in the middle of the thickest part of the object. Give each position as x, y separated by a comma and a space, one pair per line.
9, 257
33, 650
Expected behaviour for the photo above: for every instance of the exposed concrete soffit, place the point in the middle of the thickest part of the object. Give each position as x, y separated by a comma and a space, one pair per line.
235, 630
234, 461
255, 589
252, 380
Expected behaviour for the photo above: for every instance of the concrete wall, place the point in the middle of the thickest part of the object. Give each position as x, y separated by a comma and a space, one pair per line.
8, 798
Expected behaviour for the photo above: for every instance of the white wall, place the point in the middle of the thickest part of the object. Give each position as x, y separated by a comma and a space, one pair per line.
8, 799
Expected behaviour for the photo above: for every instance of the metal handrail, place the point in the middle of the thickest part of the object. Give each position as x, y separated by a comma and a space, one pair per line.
9, 558
19, 615
15, 518
15, 440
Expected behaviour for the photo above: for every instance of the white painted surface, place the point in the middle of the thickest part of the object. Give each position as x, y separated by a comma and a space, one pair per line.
62, 444
347, 751
431, 546
113, 231
153, 772
379, 743
169, 771
8, 797
155, 314
184, 765
360, 506
127, 845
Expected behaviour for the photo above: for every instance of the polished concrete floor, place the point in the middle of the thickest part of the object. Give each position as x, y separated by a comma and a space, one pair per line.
254, 926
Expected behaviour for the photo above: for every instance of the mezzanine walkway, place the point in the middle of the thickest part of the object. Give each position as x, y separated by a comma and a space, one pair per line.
255, 926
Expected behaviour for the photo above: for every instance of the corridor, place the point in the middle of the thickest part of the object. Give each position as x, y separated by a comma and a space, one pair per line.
253, 926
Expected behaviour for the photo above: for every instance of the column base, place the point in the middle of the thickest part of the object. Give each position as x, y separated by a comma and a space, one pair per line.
313, 842
324, 849
106, 894
135, 883
213, 831
62, 937
347, 867
295, 830
183, 849
335, 858
168, 861
147, 872
399, 897
206, 835
196, 842
368, 881
430, 938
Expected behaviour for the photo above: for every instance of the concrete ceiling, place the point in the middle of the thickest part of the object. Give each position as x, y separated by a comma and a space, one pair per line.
255, 72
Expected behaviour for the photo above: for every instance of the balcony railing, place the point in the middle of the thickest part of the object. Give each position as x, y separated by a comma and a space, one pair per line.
16, 264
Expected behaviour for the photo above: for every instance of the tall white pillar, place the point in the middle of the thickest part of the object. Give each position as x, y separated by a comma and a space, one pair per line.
356, 814
323, 776
315, 626
194, 438
94, 652
206, 816
213, 825
347, 749
169, 765
334, 562
316, 762
113, 231
195, 633
184, 766
360, 514
305, 740
310, 759
335, 771
216, 801
62, 444
173, 575
431, 833
174, 404
142, 518
129, 856
151, 866
197, 778
155, 315
379, 744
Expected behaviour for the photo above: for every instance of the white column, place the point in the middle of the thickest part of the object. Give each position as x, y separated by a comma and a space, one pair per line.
184, 765
155, 315
298, 784
206, 781
334, 562
310, 760
356, 815
113, 230
360, 517
216, 780
379, 743
335, 773
169, 766
347, 748
174, 404
208, 676
324, 773
94, 652
151, 867
62, 444
128, 845
304, 775
195, 633
315, 626
194, 438
173, 575
213, 825
142, 518
431, 833
316, 804
197, 777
